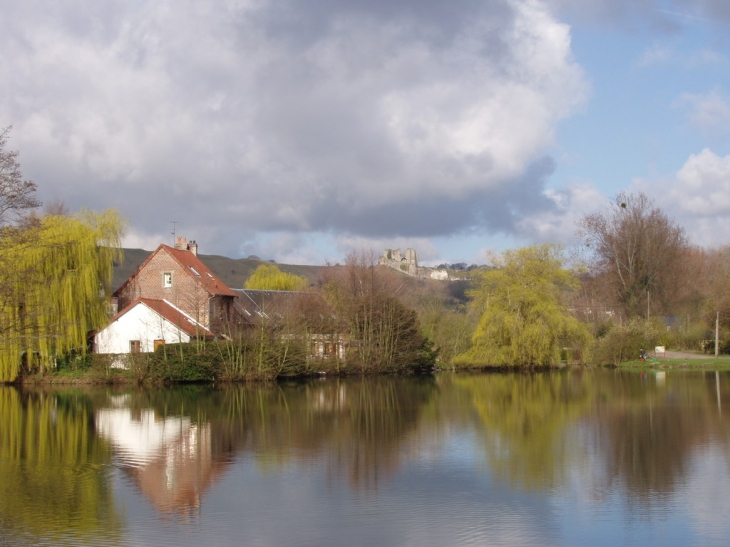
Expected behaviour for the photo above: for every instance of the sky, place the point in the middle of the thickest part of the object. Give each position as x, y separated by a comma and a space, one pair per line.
299, 131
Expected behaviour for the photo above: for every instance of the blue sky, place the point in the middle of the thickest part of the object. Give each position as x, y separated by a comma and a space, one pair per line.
300, 131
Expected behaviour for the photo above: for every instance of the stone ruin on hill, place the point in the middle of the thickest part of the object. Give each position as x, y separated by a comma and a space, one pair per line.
407, 263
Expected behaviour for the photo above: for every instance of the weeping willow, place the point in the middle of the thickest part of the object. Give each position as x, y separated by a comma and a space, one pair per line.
52, 480
55, 281
525, 320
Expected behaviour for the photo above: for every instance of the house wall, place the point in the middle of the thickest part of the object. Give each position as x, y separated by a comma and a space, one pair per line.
139, 323
185, 292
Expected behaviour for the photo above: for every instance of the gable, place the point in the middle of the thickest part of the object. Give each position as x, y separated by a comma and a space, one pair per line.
161, 310
164, 260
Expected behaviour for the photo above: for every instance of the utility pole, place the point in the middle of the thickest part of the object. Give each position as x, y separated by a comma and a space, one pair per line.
648, 304
717, 335
174, 223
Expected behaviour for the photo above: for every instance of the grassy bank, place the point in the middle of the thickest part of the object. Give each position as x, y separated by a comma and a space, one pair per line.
695, 363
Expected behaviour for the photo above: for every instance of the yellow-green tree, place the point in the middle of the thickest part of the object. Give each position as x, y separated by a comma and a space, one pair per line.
55, 282
524, 318
268, 277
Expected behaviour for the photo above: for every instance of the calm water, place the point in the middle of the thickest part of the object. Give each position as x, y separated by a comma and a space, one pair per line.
570, 458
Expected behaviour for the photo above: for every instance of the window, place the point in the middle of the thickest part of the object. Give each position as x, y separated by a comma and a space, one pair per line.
167, 279
135, 346
159, 343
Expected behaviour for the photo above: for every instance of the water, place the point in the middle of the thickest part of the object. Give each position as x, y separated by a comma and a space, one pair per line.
594, 457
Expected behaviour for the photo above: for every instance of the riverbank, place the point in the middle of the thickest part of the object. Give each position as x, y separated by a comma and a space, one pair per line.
680, 360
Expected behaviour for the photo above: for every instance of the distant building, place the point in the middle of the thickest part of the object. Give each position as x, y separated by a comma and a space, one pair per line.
406, 262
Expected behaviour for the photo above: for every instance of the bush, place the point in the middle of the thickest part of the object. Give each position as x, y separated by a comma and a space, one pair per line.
625, 341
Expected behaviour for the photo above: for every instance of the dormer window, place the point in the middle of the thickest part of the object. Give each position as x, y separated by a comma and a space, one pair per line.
167, 279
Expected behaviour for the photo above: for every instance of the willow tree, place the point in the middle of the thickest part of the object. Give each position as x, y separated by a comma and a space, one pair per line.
524, 317
55, 282
269, 277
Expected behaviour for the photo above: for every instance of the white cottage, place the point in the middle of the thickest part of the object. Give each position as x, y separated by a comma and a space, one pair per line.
146, 324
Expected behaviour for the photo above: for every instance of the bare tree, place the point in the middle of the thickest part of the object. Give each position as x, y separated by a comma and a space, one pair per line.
17, 196
637, 252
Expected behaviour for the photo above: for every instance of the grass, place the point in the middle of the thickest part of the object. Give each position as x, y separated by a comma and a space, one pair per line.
704, 363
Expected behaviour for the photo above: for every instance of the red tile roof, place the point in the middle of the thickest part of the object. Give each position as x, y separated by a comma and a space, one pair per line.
175, 316
195, 267
190, 263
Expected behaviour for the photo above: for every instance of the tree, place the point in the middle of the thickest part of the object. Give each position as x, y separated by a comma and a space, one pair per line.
55, 287
268, 277
638, 252
524, 320
17, 196
385, 335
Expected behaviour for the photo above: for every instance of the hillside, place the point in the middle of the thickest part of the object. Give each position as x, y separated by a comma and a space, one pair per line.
232, 271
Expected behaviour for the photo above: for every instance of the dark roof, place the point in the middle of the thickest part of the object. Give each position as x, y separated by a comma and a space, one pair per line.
254, 305
174, 315
190, 263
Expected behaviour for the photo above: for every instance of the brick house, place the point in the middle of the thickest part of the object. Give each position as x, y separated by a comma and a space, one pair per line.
179, 277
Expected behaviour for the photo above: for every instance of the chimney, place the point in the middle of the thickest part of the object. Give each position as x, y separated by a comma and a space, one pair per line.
181, 244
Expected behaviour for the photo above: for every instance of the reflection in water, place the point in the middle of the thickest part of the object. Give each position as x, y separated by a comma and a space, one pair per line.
53, 483
169, 458
503, 459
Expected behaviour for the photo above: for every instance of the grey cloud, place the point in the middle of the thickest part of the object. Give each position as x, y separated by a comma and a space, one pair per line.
363, 118
666, 15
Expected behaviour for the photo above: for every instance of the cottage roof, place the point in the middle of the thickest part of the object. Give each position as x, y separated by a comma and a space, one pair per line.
193, 266
255, 305
171, 313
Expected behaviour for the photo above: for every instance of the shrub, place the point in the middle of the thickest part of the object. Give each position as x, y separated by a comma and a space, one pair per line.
624, 342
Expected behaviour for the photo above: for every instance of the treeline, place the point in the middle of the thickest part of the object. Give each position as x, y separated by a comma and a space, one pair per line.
634, 283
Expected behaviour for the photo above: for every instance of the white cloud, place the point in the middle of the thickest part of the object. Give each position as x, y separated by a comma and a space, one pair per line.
697, 197
374, 119
654, 55
709, 112
559, 224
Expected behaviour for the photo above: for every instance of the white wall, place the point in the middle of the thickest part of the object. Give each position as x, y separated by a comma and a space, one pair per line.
140, 323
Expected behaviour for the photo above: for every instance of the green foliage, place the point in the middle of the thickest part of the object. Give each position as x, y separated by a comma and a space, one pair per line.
55, 278
448, 329
625, 341
524, 320
268, 277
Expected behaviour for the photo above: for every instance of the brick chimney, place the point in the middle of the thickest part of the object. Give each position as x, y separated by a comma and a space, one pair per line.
181, 244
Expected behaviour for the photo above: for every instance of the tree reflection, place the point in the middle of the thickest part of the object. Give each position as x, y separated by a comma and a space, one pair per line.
524, 417
635, 432
648, 426
52, 479
359, 425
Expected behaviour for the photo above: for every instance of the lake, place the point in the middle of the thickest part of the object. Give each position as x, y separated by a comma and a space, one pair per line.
568, 458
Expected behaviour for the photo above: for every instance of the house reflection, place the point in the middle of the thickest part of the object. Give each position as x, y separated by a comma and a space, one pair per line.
170, 459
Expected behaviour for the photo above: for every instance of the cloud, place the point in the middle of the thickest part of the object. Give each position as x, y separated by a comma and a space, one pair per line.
664, 15
655, 55
559, 223
697, 197
367, 119
709, 112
